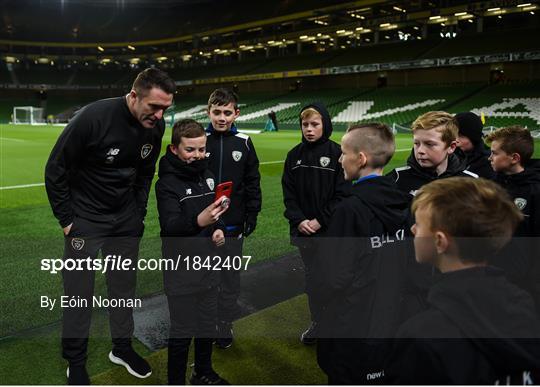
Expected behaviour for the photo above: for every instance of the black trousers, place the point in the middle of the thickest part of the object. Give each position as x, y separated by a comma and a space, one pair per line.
86, 239
229, 288
307, 253
192, 316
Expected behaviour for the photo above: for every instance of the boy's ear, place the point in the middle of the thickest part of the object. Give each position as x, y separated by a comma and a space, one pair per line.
452, 147
236, 113
516, 158
362, 160
174, 149
442, 242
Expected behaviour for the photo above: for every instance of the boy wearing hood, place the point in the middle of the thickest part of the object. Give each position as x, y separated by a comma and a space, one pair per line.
358, 262
470, 141
511, 152
232, 157
190, 226
479, 328
313, 183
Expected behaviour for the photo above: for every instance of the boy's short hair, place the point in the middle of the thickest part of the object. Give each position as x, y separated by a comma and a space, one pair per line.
222, 97
151, 77
308, 113
514, 139
375, 139
186, 128
477, 213
430, 120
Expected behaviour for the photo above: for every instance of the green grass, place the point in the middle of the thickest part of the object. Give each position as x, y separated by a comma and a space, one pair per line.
29, 232
266, 351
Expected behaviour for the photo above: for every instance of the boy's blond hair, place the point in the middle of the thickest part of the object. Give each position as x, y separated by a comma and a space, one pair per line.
447, 124
308, 113
477, 213
514, 139
374, 139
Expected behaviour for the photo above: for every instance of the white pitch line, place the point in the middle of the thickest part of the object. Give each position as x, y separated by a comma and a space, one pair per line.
42, 184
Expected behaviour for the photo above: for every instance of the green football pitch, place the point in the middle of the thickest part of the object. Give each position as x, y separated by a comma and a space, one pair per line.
29, 232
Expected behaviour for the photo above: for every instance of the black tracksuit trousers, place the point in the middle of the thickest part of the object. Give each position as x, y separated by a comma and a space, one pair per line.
192, 316
229, 288
86, 239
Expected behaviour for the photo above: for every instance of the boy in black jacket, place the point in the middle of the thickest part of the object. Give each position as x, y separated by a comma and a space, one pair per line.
432, 156
357, 265
511, 152
232, 157
479, 328
313, 183
471, 143
189, 218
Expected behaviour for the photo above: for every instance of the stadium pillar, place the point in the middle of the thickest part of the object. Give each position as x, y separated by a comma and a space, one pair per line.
424, 31
376, 37
299, 47
480, 25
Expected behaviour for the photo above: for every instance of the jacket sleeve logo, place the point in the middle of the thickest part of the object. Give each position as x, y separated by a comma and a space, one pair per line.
520, 203
77, 244
145, 150
236, 155
324, 161
210, 183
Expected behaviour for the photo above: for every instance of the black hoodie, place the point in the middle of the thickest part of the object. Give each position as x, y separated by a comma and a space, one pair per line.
410, 178
519, 259
479, 329
478, 163
313, 181
359, 268
182, 192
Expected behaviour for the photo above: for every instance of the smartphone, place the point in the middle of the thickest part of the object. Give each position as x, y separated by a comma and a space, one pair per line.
224, 190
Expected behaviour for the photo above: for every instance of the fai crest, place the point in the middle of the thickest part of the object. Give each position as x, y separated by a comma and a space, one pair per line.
324, 161
236, 155
210, 183
77, 243
520, 203
145, 150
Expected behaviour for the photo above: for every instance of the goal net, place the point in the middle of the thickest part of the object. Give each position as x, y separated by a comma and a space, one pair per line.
28, 115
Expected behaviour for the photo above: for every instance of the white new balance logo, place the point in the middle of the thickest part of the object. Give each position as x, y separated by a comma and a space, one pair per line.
113, 152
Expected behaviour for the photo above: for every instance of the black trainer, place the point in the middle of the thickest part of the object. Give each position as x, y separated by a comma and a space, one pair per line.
309, 336
224, 337
134, 363
77, 376
211, 378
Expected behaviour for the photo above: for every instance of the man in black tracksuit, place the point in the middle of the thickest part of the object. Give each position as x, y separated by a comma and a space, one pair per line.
359, 263
97, 178
189, 220
479, 328
313, 183
471, 143
232, 157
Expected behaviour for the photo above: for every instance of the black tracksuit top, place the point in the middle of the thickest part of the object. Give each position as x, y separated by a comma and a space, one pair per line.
313, 181
182, 194
103, 163
232, 157
479, 329
413, 176
361, 259
478, 163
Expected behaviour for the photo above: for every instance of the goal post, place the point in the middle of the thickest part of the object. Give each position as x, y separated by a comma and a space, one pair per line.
28, 115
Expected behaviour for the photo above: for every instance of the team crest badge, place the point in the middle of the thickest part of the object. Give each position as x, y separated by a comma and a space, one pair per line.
210, 183
145, 150
77, 244
236, 155
324, 161
520, 203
